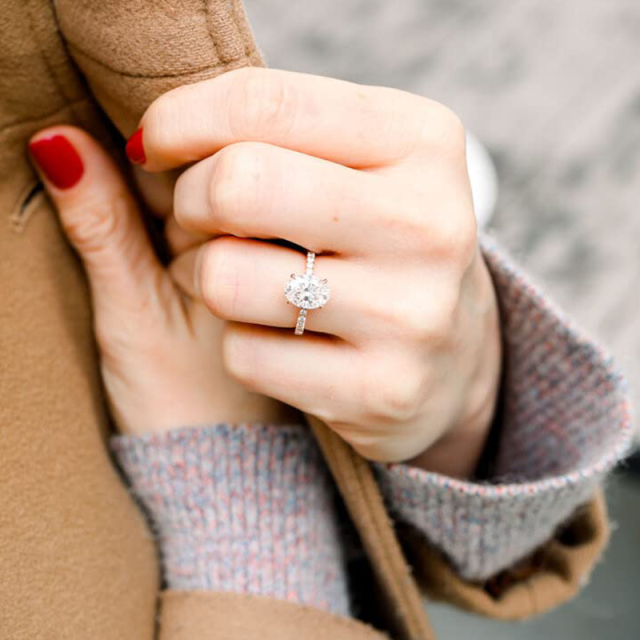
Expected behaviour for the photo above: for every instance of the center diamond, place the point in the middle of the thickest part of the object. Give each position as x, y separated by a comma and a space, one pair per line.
307, 291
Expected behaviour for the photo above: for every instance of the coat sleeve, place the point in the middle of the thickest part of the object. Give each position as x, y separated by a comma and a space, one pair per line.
526, 538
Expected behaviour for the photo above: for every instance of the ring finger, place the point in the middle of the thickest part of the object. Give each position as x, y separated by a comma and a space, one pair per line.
243, 281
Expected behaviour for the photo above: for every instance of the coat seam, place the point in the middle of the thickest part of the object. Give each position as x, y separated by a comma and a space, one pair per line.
234, 18
392, 570
53, 76
19, 123
126, 74
246, 49
214, 43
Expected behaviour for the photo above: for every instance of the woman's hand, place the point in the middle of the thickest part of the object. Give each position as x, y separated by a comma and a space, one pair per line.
159, 350
404, 360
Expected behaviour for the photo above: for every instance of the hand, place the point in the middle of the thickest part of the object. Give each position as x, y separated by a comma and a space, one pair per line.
404, 360
159, 350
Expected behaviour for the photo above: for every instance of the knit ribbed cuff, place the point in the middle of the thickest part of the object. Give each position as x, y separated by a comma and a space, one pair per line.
244, 509
565, 424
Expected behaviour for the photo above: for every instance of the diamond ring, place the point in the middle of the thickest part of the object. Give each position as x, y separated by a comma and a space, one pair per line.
306, 292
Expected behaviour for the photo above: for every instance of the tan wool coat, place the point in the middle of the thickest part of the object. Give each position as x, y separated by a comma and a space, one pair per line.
76, 558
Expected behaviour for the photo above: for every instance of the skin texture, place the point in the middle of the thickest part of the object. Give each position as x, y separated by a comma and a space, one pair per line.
159, 349
404, 360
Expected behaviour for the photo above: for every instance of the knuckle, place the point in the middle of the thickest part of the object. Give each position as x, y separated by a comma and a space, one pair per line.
96, 225
218, 277
443, 316
454, 238
451, 131
393, 398
418, 228
443, 129
406, 319
414, 322
449, 233
236, 184
159, 123
261, 102
425, 320
187, 210
223, 192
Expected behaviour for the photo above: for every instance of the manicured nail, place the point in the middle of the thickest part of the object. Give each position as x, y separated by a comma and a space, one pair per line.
58, 160
135, 148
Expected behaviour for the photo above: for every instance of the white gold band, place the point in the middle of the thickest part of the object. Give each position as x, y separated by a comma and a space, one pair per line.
302, 320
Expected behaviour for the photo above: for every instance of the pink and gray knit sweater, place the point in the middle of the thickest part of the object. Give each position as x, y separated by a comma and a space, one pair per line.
250, 508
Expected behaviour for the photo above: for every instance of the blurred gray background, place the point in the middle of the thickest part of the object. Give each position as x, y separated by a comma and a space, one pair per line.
552, 88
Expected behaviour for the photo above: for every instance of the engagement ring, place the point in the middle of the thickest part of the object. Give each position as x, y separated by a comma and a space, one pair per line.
306, 292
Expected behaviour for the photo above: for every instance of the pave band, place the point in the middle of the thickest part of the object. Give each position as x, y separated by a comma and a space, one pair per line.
302, 320
306, 292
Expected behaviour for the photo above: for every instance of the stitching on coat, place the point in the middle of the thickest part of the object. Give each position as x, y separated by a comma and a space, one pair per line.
359, 469
20, 123
214, 42
234, 20
21, 212
127, 74
248, 50
45, 59
417, 621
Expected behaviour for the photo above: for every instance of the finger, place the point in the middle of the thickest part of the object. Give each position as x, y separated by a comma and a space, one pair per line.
98, 214
259, 190
354, 125
244, 281
179, 239
314, 373
349, 389
156, 191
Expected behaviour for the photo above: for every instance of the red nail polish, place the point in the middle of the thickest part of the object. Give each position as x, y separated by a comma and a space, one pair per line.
135, 148
58, 160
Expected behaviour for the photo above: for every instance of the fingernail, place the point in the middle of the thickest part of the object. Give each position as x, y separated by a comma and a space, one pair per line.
135, 148
58, 160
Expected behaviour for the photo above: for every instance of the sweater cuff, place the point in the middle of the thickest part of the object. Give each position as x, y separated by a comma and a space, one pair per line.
243, 509
565, 423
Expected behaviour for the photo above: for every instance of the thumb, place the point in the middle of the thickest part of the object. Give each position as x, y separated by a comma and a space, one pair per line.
99, 215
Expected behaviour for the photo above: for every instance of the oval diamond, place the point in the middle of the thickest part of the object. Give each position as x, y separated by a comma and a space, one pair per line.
307, 291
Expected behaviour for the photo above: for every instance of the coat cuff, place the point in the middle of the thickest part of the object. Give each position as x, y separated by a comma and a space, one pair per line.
245, 509
565, 423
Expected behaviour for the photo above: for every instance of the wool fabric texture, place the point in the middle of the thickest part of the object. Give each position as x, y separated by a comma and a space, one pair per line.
241, 509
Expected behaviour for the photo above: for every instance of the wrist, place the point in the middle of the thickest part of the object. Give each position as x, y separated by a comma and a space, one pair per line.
458, 451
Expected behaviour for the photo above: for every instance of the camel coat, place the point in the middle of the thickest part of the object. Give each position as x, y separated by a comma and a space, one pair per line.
76, 558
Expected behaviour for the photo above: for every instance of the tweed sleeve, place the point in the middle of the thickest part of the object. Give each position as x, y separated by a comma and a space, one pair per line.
564, 424
243, 509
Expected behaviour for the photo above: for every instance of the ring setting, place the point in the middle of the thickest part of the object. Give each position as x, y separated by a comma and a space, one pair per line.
306, 291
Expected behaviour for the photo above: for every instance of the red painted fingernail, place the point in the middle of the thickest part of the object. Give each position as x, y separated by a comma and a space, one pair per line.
58, 160
135, 148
